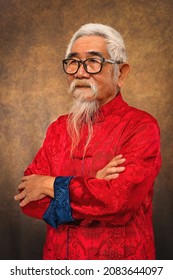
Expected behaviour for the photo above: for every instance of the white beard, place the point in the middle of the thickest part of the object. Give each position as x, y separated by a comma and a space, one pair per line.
83, 110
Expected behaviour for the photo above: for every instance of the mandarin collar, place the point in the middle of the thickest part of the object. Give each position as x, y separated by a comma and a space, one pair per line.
109, 108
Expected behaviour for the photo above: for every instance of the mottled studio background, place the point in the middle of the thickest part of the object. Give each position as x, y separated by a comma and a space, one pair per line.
34, 35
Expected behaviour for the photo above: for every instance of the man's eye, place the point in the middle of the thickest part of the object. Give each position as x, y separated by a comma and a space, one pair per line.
94, 60
72, 62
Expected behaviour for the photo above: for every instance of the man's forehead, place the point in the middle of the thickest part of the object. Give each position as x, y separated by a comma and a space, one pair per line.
87, 54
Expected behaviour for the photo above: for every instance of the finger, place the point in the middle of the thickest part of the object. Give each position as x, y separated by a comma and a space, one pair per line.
118, 156
119, 169
116, 162
26, 178
20, 196
112, 176
24, 202
113, 170
21, 186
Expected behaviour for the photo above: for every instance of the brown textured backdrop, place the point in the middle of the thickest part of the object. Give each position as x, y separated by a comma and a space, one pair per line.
34, 35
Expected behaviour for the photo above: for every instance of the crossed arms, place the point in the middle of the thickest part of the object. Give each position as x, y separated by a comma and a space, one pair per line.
116, 192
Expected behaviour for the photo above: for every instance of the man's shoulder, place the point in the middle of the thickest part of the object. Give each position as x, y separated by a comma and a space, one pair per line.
60, 120
134, 114
141, 115
58, 125
138, 120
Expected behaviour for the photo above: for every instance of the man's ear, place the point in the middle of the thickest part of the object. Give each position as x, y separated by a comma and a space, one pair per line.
124, 70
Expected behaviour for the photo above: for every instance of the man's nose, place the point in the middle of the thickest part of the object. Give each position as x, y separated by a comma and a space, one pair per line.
81, 73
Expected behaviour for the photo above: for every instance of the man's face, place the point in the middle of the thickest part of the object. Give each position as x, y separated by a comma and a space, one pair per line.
88, 47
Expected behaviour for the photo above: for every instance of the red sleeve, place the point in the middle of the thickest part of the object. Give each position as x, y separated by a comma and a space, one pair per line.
41, 166
118, 200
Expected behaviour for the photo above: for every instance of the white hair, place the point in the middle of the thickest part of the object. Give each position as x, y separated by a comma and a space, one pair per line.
114, 40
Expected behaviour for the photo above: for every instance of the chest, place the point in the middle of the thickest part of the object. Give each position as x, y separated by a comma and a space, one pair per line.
105, 144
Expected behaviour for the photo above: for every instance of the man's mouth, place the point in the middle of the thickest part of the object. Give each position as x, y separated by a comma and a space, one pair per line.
82, 86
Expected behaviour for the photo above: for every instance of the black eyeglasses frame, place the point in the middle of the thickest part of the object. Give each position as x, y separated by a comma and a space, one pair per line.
83, 62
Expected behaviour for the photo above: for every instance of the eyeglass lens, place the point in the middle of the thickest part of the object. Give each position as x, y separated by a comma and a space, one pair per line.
91, 65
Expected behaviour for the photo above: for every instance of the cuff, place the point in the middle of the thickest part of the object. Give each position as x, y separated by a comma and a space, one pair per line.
59, 210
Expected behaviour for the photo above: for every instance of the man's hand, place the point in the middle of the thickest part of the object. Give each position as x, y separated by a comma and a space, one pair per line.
112, 169
34, 187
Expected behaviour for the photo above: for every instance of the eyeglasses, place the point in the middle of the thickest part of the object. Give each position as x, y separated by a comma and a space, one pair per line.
91, 65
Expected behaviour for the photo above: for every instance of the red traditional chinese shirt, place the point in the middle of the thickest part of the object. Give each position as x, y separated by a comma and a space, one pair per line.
112, 218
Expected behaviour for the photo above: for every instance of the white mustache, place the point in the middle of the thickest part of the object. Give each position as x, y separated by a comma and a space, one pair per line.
80, 83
